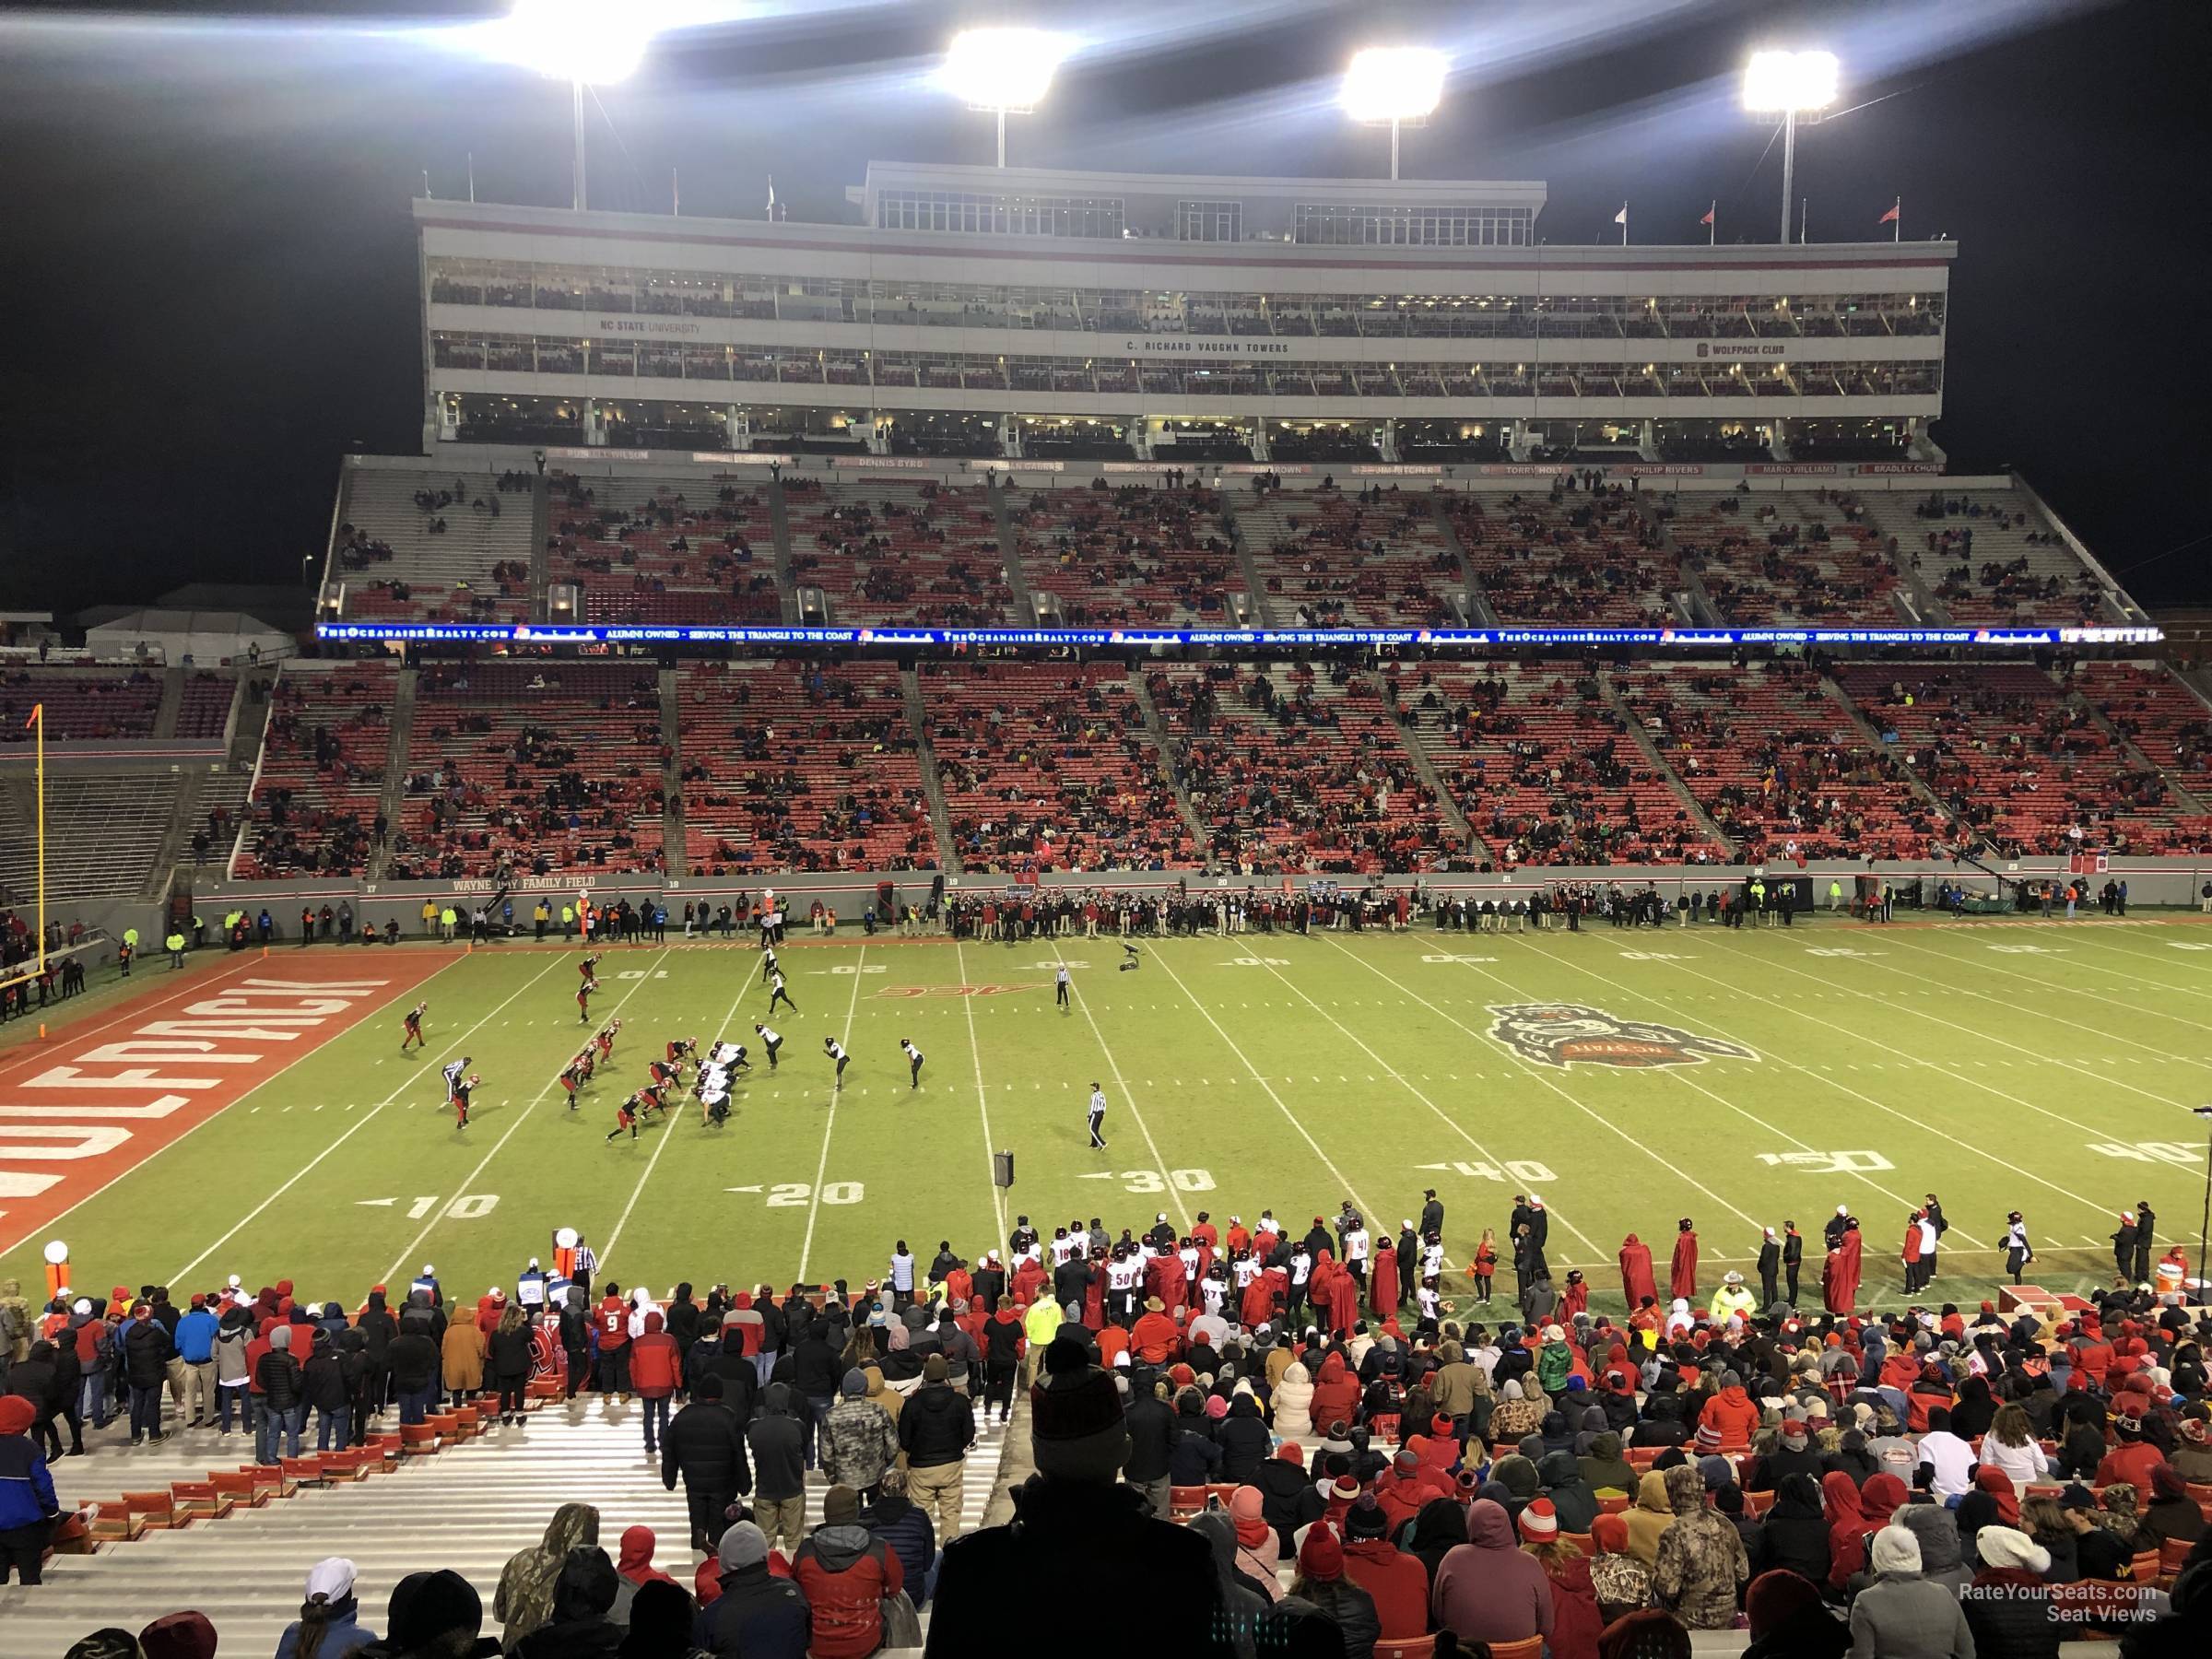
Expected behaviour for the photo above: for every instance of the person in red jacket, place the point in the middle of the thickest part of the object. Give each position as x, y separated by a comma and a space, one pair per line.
845, 1571
1335, 1393
1155, 1338
1383, 1282
2134, 1458
1207, 1240
1636, 1281
1576, 1620
1732, 1414
611, 1323
1258, 1304
1682, 1280
655, 1369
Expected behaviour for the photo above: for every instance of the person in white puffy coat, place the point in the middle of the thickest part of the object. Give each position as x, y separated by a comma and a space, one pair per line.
1293, 1404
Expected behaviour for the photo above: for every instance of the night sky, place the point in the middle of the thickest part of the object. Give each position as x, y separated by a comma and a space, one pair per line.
213, 272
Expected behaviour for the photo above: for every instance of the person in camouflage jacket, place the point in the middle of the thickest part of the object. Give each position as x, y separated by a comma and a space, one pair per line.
858, 1441
1701, 1567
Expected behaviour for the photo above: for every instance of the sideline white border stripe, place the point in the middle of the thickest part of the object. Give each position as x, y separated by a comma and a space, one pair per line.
308, 1168
521, 1117
813, 1202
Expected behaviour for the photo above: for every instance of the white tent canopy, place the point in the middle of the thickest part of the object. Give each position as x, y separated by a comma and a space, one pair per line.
209, 638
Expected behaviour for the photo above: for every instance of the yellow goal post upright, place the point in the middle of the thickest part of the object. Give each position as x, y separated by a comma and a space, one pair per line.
37, 964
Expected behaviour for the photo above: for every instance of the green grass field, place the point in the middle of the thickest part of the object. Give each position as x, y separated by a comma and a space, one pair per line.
2035, 1066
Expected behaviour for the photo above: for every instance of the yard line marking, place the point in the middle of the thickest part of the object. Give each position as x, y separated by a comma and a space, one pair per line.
814, 1202
982, 1095
2095, 943
667, 1125
2069, 991
1365, 1209
1121, 1083
1684, 1077
521, 1117
1420, 1095
361, 1122
1680, 1174
1883, 1002
1933, 1066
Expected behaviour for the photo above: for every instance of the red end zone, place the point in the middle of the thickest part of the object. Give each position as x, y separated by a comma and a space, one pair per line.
90, 1105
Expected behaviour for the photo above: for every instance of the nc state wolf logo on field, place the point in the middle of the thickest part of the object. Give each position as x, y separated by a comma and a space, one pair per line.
1565, 1034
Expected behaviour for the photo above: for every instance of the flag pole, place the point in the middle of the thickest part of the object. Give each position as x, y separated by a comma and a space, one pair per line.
38, 718
1624, 224
1897, 224
1712, 223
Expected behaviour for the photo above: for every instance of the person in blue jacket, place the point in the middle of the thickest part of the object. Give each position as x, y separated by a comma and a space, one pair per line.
28, 1505
194, 1338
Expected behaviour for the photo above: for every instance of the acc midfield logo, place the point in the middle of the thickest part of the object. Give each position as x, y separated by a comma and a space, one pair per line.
1565, 1034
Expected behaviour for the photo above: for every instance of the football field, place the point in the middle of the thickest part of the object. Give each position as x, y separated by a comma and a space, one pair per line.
1629, 1077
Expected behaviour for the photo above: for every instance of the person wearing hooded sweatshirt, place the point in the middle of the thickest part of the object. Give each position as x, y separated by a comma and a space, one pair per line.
1604, 1470
1395, 1582
1257, 1553
283, 1411
1294, 1403
1486, 1590
2009, 1611
858, 1439
845, 1573
1793, 1536
1847, 1529
1701, 1565
1650, 1517
1079, 1540
524, 1600
234, 1336
377, 1327
1662, 1424
328, 1382
412, 1359
634, 1566
1731, 1412
757, 1614
776, 1440
461, 1355
329, 1626
584, 1596
1788, 1619
1242, 1437
1244, 1609
1336, 1395
1902, 1615
1560, 1479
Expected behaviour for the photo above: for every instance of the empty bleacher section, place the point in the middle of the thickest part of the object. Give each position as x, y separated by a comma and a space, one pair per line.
425, 543
891, 551
2006, 752
1807, 558
314, 802
1779, 764
1576, 558
649, 550
1992, 559
800, 766
83, 705
1130, 556
1543, 768
205, 709
1048, 766
1292, 772
1327, 560
103, 833
2160, 715
515, 768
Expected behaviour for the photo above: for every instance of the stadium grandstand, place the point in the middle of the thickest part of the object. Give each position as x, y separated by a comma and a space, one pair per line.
1562, 974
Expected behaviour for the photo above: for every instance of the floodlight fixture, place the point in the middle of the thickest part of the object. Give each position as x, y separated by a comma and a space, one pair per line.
1789, 85
1002, 72
1394, 87
584, 43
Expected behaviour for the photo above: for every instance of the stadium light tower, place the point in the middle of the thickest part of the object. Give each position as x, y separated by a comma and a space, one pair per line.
1394, 87
1002, 72
1789, 84
584, 43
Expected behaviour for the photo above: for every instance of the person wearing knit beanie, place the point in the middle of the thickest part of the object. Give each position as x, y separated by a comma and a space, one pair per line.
2006, 1548
1778, 1597
1256, 1545
1539, 1523
179, 1636
1320, 1557
1076, 1427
